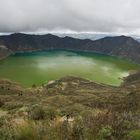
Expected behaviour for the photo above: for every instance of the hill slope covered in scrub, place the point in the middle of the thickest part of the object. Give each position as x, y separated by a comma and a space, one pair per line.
71, 108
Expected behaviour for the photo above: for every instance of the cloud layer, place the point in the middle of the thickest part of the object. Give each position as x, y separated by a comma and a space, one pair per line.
111, 16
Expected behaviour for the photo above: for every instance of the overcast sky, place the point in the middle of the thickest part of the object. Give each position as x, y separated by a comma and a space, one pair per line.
101, 16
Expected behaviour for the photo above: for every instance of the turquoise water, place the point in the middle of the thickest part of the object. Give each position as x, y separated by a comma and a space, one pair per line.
40, 67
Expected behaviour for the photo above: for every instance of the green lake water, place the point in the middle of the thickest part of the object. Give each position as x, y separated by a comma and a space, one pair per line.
40, 67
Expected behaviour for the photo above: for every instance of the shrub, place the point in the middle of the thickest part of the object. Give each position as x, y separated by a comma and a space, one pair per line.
50, 113
1, 103
26, 132
6, 134
34, 86
119, 124
6, 129
134, 135
38, 112
78, 130
105, 133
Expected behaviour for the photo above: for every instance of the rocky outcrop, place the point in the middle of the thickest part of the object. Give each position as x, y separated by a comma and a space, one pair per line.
4, 52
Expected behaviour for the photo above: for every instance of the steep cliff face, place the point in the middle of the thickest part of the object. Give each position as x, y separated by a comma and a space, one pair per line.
120, 46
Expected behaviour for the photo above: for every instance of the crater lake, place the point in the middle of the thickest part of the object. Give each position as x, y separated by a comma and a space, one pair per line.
39, 68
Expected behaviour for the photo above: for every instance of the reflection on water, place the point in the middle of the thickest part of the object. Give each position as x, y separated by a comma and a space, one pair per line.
41, 67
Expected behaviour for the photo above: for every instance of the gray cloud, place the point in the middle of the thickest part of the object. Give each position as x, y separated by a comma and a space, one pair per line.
111, 16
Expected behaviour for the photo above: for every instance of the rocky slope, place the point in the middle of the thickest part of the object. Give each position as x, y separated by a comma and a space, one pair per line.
4, 52
120, 46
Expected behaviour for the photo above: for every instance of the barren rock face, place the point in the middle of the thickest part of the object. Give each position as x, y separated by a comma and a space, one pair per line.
2, 47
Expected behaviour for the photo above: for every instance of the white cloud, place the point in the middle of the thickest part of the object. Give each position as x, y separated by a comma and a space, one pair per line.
112, 16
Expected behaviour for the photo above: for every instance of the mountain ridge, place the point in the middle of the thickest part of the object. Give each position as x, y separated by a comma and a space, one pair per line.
120, 46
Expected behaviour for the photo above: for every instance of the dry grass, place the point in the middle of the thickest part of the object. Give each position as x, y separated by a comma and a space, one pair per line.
70, 109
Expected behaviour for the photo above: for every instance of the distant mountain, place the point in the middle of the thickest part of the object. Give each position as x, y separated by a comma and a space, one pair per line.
90, 36
120, 46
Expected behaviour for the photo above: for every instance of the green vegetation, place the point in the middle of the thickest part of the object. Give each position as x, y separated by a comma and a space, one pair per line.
71, 108
134, 135
40, 113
